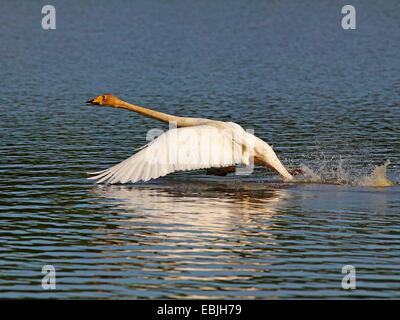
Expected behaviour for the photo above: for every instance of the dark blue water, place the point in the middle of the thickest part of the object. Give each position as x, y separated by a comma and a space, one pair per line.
324, 97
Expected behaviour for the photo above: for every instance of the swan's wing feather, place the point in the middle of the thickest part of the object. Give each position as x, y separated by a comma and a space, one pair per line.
187, 148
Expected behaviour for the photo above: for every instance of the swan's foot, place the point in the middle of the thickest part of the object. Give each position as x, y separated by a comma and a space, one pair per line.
296, 171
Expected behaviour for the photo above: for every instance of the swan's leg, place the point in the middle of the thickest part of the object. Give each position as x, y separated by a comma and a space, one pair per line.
221, 171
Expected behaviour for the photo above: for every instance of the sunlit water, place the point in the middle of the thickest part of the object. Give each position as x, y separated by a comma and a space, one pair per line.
325, 98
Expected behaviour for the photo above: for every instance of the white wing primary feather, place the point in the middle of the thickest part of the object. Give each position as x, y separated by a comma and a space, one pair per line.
186, 148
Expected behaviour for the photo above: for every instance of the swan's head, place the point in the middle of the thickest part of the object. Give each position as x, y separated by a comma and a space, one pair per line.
106, 99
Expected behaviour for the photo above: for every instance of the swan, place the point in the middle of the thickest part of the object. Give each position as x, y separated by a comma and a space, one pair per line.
191, 143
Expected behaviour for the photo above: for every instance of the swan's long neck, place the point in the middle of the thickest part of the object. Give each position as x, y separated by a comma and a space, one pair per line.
180, 121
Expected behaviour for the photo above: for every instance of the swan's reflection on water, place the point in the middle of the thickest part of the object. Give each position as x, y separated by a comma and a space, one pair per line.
197, 205
194, 232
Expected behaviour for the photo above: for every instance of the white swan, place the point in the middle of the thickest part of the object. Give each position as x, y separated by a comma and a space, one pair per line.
195, 143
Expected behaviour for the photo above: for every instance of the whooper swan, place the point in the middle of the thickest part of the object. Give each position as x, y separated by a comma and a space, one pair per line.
192, 143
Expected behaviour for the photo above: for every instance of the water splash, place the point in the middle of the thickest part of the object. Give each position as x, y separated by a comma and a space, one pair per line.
377, 178
340, 174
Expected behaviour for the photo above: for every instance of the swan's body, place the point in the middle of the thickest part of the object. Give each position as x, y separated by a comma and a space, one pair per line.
195, 143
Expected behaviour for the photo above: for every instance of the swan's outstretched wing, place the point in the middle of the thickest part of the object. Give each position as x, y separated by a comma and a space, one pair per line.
187, 148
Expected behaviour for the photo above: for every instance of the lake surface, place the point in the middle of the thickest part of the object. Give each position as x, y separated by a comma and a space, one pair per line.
327, 99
